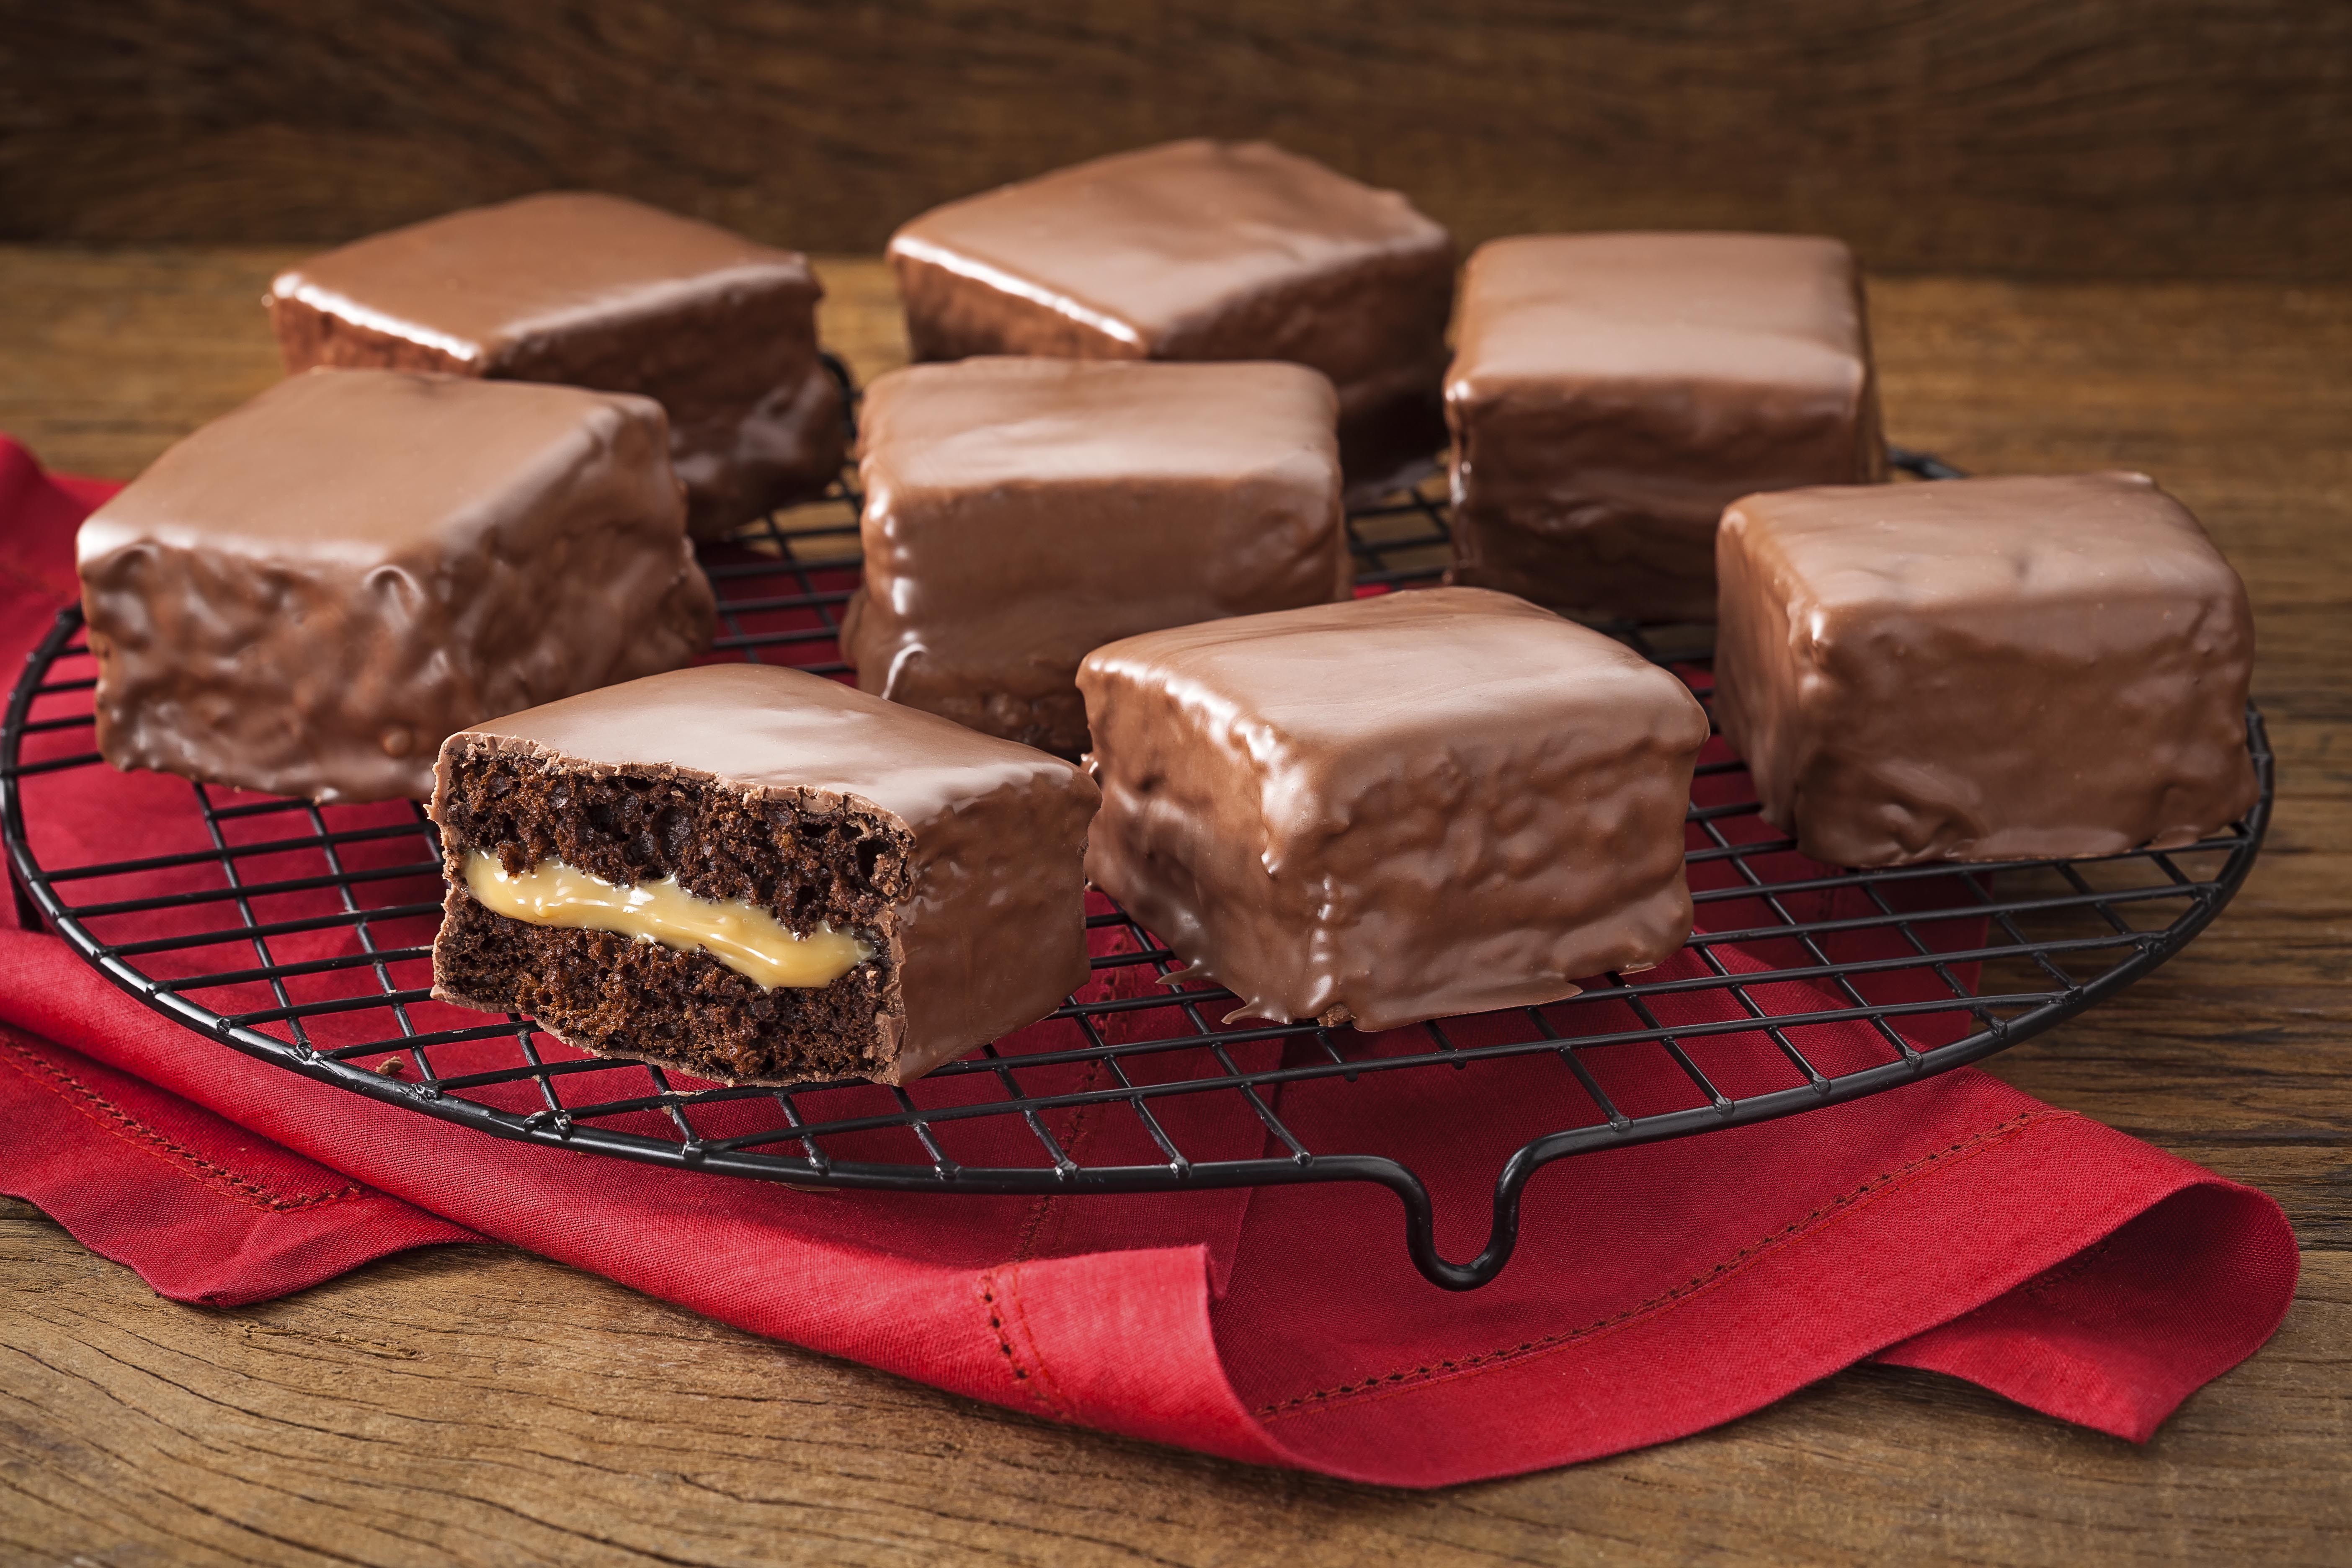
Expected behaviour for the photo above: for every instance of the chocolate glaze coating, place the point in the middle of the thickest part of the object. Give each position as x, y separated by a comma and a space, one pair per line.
307, 593
1201, 250
1611, 393
990, 932
1984, 669
594, 290
1395, 809
1021, 512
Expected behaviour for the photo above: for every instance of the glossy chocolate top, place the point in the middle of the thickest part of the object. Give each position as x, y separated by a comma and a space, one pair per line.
478, 284
1772, 310
357, 466
1985, 547
1021, 512
306, 594
977, 424
1402, 808
760, 727
1984, 669
1142, 246
1379, 671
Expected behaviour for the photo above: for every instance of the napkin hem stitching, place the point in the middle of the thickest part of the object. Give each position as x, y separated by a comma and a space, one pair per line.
1044, 1390
1837, 1208
1044, 1381
1053, 1392
95, 1107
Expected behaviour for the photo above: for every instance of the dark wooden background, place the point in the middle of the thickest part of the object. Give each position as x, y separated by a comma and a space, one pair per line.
2074, 138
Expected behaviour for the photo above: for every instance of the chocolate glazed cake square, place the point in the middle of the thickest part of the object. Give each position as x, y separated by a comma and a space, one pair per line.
306, 594
1612, 394
1201, 250
1021, 512
1399, 808
596, 291
1984, 669
757, 875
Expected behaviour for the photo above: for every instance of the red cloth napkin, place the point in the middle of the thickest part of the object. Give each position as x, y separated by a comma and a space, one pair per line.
1954, 1225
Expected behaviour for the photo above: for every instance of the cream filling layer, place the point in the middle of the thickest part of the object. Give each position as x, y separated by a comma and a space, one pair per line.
737, 932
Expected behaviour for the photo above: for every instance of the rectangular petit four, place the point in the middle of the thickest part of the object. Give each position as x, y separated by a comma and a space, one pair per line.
1399, 808
1201, 250
1984, 669
757, 875
306, 594
597, 291
1021, 512
1611, 394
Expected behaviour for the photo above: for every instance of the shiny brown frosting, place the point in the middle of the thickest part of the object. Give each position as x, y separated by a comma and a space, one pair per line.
307, 593
1201, 250
1612, 394
1021, 512
1397, 808
596, 291
993, 935
1984, 669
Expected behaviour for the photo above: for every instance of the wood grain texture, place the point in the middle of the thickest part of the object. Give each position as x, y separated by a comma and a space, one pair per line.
2099, 138
476, 1405
479, 1404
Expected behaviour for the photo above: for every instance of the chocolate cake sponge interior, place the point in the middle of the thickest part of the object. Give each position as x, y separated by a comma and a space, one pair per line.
760, 875
823, 863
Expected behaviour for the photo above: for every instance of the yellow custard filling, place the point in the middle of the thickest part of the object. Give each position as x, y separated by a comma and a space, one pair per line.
739, 934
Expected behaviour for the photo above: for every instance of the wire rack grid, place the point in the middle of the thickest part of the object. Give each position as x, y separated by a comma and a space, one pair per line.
301, 935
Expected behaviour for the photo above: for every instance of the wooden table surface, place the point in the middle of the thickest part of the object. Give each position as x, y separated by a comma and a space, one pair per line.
480, 1405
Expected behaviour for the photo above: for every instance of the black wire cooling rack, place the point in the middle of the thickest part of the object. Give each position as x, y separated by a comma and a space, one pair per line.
300, 934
